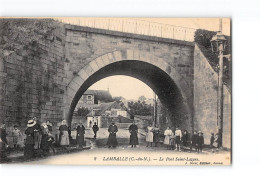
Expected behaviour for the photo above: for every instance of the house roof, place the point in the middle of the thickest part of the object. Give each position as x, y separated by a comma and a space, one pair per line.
101, 108
100, 95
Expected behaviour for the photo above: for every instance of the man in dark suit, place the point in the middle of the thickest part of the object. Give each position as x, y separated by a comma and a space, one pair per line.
200, 141
95, 129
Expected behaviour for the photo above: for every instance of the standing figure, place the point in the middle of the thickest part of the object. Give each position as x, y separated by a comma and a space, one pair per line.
149, 135
194, 141
178, 137
70, 137
95, 130
168, 135
49, 125
212, 139
51, 136
133, 129
112, 141
37, 134
29, 149
218, 141
47, 140
156, 135
200, 141
80, 135
185, 139
90, 123
17, 136
64, 134
172, 141
3, 144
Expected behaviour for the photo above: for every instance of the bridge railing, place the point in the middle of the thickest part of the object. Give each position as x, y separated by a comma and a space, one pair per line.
134, 26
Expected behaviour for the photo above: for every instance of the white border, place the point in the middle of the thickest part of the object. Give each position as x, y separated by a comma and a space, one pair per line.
245, 24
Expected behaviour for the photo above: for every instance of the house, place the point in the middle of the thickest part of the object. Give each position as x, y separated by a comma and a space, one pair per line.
104, 113
92, 97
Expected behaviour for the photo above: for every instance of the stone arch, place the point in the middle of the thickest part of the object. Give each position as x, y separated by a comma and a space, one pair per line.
118, 56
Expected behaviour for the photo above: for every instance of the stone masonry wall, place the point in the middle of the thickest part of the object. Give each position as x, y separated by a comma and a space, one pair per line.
205, 100
84, 45
32, 70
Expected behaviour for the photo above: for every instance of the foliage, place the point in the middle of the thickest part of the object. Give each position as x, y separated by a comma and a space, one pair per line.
140, 108
142, 98
202, 38
82, 111
117, 99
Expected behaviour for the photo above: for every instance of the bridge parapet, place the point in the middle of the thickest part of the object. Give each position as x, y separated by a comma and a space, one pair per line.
134, 26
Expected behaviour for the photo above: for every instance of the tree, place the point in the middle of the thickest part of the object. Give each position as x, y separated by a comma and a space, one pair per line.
140, 108
142, 98
82, 111
117, 99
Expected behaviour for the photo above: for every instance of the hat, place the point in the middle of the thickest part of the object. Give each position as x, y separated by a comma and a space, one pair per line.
31, 123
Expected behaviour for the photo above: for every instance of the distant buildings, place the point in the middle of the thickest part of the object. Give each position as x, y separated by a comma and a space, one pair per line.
102, 109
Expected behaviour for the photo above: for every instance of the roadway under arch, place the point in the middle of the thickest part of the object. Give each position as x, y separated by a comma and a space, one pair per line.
157, 79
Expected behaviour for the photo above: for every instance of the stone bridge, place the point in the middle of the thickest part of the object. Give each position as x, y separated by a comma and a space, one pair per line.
47, 65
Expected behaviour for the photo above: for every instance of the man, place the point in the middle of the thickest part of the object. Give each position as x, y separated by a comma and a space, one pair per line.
112, 141
194, 141
37, 134
200, 141
95, 129
133, 129
3, 144
212, 139
178, 137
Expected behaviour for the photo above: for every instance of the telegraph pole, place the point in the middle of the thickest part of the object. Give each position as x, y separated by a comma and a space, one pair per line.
154, 110
220, 87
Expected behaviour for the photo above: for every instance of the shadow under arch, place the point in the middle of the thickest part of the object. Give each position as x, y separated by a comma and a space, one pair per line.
158, 80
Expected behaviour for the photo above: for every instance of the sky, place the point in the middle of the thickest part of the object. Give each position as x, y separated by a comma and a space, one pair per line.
131, 88
128, 87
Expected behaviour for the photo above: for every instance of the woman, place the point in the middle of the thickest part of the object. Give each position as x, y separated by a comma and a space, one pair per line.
168, 135
112, 141
64, 135
156, 135
133, 129
80, 135
149, 135
185, 138
29, 142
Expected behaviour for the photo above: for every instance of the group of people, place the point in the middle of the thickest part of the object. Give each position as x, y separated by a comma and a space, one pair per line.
112, 140
38, 136
181, 140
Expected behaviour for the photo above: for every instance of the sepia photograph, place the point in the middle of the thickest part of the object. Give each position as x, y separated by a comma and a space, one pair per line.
116, 91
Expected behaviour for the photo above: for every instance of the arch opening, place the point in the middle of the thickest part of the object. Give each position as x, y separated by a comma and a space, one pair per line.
158, 80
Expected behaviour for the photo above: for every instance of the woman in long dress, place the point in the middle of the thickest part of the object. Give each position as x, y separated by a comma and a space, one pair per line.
168, 135
133, 129
29, 142
80, 135
64, 135
112, 141
149, 135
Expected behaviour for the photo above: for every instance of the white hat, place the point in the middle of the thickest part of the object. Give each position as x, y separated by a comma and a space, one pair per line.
31, 123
